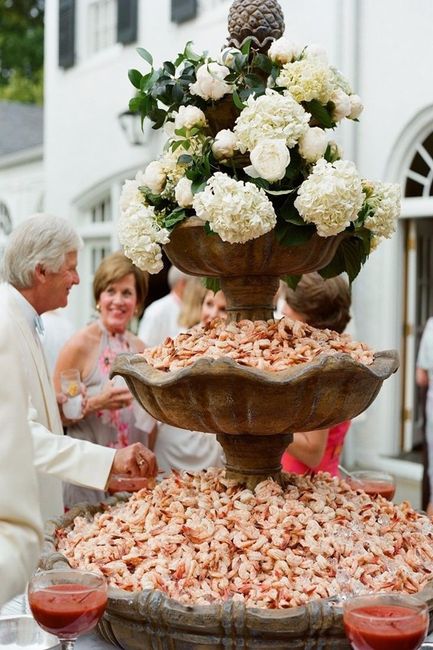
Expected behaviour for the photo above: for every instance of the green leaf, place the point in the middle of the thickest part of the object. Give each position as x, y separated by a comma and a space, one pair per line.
212, 284
263, 62
190, 54
198, 186
177, 215
145, 55
208, 230
135, 77
169, 67
148, 80
289, 234
238, 101
292, 281
245, 49
134, 104
349, 258
320, 114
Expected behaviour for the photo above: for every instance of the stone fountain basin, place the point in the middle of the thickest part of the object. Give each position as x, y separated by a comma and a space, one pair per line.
221, 396
149, 620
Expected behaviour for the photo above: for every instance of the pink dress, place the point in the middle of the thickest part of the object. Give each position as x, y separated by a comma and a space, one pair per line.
331, 457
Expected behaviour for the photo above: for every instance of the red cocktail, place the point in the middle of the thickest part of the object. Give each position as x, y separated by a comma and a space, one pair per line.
67, 602
386, 621
373, 483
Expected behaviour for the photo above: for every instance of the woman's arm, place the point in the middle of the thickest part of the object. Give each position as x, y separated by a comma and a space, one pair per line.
421, 377
309, 446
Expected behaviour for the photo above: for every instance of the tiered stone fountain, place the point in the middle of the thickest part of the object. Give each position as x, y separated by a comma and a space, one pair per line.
253, 413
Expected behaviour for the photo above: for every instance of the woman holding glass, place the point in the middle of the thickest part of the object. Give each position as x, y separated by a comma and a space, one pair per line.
110, 418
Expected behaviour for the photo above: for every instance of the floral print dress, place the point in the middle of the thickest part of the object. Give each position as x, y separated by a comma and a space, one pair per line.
111, 428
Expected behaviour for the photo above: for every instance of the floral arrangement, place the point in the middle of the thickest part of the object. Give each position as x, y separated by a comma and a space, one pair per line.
249, 149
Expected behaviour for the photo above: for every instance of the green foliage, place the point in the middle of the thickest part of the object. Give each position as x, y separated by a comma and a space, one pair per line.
21, 50
213, 284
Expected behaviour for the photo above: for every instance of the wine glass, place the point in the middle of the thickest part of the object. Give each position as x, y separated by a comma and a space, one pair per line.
385, 620
67, 602
374, 483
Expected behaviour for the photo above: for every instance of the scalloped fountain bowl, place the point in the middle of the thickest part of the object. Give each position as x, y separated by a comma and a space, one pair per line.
221, 396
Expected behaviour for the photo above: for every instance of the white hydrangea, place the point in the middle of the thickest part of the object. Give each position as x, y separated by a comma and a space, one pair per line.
130, 194
384, 199
318, 51
141, 237
271, 116
307, 79
235, 210
210, 82
188, 117
331, 197
284, 51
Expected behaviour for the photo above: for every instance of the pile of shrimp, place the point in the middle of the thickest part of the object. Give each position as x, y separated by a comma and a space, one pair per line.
267, 345
201, 538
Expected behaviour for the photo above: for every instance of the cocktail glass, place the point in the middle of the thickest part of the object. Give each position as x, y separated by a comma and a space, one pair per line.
67, 602
374, 483
385, 620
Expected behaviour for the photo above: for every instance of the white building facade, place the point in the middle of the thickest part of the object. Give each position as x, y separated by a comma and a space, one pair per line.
384, 48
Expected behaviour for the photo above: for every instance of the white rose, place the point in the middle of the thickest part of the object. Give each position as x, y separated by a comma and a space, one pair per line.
356, 107
210, 82
312, 144
224, 144
283, 51
183, 193
227, 56
341, 103
188, 117
270, 159
154, 177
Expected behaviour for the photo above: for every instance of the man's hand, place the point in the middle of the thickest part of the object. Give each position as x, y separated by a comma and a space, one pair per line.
135, 460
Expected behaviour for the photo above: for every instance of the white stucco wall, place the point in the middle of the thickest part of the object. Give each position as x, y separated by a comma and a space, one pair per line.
22, 184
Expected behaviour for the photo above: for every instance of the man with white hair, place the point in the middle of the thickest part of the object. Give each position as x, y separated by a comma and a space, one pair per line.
40, 268
161, 317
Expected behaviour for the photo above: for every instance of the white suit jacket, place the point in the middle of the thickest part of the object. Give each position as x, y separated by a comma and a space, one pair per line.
57, 457
21, 532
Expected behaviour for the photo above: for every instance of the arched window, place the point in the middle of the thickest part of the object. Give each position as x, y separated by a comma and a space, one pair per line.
419, 178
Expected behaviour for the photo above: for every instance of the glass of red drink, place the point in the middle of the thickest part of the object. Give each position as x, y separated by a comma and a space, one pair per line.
373, 483
385, 620
67, 602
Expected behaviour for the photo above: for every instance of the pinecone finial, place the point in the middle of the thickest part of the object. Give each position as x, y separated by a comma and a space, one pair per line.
261, 20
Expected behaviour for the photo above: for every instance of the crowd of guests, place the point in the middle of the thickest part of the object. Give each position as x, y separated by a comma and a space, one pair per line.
69, 461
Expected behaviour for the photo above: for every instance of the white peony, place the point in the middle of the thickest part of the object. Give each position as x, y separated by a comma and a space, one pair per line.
270, 159
284, 51
224, 144
331, 197
313, 144
141, 238
183, 193
307, 79
384, 201
188, 117
270, 116
342, 106
210, 82
154, 177
356, 107
235, 210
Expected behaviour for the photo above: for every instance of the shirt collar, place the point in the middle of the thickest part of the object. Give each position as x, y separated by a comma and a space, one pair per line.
30, 314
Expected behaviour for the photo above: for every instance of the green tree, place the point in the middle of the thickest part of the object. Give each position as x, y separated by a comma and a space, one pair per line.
21, 50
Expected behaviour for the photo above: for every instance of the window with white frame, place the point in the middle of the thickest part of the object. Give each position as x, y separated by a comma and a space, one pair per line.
419, 177
101, 25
